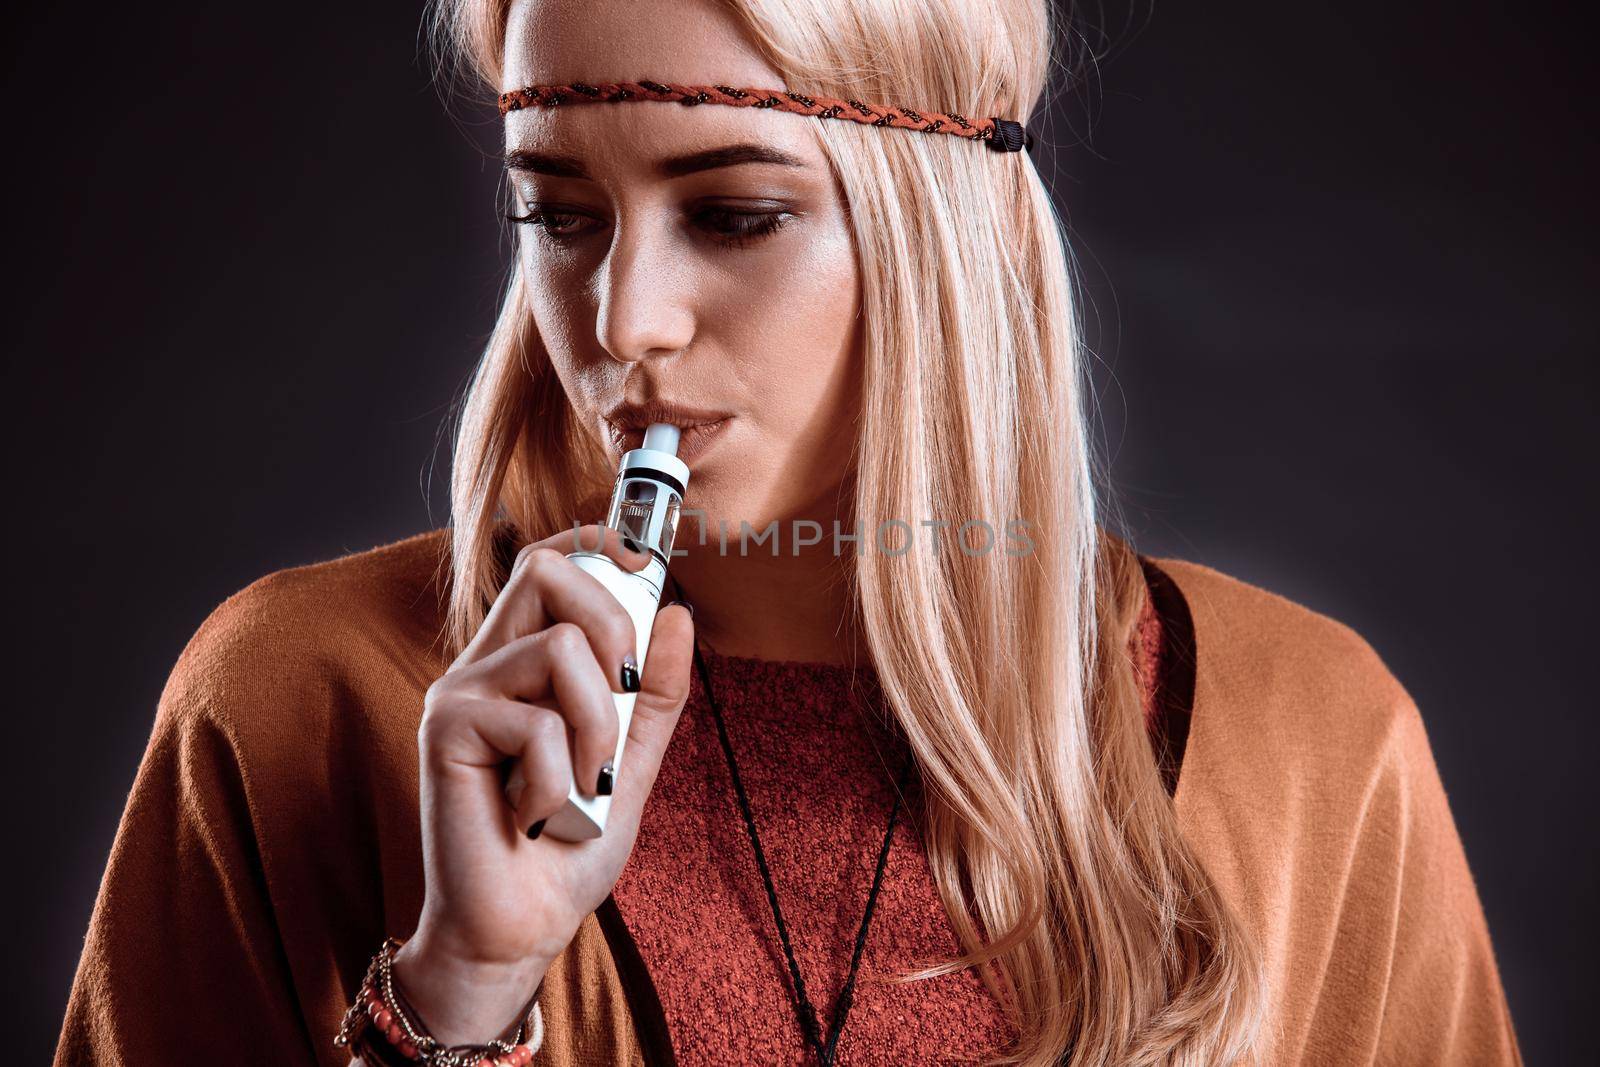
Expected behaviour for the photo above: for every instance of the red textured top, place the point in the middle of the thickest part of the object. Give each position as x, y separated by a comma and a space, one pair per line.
818, 764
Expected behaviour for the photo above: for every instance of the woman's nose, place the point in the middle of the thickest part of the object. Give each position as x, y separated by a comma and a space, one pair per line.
645, 296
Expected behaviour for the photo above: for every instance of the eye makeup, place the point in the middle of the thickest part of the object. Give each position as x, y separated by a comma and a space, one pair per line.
727, 226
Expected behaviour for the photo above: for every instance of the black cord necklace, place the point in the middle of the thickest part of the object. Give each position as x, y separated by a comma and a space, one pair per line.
807, 1012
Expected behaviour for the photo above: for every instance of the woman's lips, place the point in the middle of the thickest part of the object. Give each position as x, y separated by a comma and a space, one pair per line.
692, 440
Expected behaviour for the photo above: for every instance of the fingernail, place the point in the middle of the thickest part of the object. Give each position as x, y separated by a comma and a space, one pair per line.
630, 674
535, 830
684, 604
631, 544
603, 784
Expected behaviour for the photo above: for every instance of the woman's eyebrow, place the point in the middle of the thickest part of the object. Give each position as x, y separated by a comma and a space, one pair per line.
561, 166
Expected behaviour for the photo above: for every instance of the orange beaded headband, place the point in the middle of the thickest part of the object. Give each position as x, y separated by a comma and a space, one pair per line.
1002, 135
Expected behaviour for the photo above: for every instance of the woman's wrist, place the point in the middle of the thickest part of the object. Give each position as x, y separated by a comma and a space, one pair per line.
465, 1001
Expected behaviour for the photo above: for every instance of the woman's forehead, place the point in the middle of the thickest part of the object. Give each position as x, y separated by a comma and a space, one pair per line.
682, 41
656, 140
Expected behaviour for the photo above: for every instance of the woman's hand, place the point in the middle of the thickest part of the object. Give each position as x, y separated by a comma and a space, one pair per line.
499, 907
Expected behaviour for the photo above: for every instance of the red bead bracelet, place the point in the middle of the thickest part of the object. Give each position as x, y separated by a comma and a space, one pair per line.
380, 1009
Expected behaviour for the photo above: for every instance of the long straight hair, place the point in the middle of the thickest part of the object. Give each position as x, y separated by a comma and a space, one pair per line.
1051, 837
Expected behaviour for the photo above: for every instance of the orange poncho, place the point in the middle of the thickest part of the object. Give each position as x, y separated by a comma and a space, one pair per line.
271, 839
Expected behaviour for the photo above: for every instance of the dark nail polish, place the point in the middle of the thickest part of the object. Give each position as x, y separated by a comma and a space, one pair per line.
684, 604
630, 674
631, 544
604, 784
535, 830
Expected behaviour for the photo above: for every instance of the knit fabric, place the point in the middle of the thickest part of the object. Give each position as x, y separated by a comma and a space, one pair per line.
819, 760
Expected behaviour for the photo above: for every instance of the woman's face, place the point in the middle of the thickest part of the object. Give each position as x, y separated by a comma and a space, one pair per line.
697, 257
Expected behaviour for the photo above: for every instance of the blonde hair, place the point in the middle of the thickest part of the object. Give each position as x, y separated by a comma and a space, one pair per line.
1049, 830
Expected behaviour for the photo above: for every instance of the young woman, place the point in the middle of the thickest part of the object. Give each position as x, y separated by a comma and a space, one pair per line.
935, 769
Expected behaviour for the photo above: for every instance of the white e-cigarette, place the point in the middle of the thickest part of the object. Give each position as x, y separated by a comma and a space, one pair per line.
644, 506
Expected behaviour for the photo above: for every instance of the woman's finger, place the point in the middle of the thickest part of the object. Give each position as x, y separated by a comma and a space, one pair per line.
533, 735
554, 666
546, 768
546, 587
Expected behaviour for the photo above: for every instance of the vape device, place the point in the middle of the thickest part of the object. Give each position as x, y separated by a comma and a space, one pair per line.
644, 506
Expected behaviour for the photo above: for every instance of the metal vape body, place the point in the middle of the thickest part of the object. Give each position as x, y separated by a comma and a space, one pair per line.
644, 506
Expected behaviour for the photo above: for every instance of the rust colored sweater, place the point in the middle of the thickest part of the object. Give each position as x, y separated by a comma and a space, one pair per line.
818, 763
271, 840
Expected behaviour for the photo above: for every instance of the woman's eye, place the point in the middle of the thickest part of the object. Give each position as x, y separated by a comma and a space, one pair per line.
737, 228
551, 223
725, 226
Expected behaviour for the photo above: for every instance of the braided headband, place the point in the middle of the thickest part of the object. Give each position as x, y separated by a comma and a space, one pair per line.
1002, 135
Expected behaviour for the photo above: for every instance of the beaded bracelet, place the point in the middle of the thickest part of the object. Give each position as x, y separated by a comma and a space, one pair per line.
380, 1009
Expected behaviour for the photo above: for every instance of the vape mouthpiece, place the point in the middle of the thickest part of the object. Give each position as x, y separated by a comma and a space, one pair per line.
661, 437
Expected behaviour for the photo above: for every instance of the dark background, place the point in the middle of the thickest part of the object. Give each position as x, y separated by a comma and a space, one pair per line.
1341, 268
